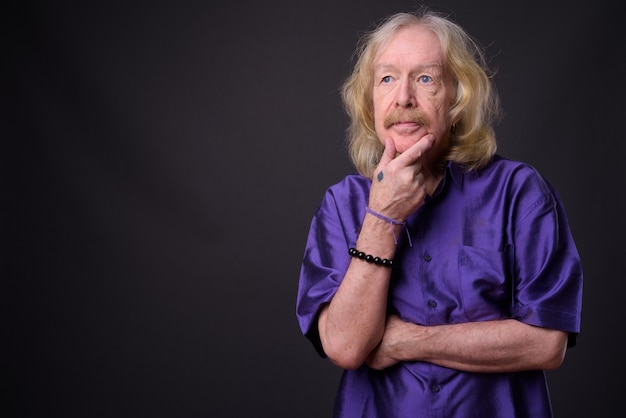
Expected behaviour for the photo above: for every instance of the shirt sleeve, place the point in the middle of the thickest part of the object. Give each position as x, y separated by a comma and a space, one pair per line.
333, 230
546, 267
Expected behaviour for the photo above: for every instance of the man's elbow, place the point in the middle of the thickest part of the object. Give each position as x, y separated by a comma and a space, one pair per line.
554, 351
341, 350
348, 358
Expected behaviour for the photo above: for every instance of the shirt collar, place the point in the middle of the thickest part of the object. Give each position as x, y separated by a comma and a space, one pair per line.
455, 172
451, 172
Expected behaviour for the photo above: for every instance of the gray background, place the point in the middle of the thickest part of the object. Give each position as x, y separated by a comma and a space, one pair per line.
161, 162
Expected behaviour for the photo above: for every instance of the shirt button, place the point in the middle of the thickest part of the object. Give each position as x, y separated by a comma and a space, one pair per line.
435, 388
432, 303
427, 258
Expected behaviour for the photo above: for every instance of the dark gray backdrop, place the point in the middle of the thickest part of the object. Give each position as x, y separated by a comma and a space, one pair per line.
161, 162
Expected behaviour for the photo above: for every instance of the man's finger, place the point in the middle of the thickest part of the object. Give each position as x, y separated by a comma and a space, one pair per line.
388, 154
411, 155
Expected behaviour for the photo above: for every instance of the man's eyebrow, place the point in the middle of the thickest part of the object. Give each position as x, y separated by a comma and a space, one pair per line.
383, 67
421, 67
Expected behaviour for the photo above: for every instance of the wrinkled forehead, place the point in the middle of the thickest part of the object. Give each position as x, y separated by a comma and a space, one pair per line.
414, 43
411, 35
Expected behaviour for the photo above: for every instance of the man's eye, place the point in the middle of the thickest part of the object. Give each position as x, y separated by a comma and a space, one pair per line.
425, 79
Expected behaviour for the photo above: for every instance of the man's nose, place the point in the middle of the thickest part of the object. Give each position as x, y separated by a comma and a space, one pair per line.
406, 95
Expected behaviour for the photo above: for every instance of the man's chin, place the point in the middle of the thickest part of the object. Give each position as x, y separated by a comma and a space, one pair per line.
406, 143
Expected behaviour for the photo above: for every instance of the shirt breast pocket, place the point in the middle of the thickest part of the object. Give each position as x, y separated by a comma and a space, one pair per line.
484, 283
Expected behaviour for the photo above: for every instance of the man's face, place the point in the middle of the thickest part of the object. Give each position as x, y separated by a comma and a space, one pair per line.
412, 94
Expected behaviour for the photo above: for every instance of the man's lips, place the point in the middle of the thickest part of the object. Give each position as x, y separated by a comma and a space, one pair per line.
406, 127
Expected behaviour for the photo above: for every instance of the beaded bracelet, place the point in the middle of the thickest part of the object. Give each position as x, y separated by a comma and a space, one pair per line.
385, 262
392, 222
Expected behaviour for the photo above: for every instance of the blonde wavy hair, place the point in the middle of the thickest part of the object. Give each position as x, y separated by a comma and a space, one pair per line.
475, 106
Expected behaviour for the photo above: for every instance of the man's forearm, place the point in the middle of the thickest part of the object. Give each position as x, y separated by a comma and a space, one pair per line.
491, 346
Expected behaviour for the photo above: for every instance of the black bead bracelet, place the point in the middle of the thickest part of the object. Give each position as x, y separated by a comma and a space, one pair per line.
385, 262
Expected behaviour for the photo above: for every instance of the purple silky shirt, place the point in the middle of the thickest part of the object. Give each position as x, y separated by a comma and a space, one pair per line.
488, 245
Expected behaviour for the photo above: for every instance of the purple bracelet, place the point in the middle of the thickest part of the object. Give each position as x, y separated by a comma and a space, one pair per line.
392, 222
